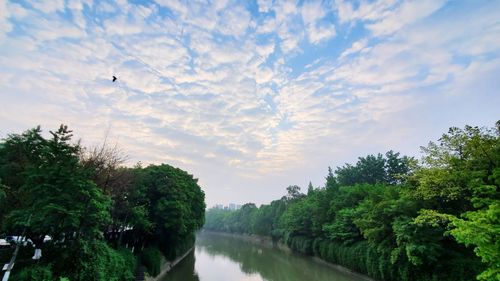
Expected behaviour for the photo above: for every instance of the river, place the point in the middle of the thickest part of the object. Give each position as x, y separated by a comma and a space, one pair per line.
224, 258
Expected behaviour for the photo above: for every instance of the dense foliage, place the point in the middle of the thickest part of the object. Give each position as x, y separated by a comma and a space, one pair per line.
393, 218
97, 212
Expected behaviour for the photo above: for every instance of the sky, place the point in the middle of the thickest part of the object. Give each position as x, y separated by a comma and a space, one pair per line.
250, 96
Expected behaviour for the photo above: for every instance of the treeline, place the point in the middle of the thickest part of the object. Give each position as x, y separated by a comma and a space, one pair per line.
102, 218
392, 217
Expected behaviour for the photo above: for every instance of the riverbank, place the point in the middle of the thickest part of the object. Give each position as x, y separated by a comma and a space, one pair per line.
263, 240
267, 241
167, 266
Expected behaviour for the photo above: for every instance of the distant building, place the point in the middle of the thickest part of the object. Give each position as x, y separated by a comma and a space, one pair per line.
231, 206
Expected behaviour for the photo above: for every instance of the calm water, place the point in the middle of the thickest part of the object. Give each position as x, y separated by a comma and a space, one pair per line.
221, 258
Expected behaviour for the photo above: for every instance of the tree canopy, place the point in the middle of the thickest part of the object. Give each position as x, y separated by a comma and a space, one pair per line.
393, 217
91, 207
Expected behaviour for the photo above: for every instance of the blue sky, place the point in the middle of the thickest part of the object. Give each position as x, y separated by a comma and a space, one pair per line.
250, 96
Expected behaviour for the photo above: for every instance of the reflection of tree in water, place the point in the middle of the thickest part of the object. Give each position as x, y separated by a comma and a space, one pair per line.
272, 264
184, 270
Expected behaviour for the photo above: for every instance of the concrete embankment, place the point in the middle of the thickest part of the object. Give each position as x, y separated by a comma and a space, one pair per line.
267, 241
166, 266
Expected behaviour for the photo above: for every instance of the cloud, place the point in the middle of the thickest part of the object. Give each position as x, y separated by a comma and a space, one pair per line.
76, 7
5, 25
259, 97
365, 11
265, 50
48, 6
312, 13
45, 30
356, 47
319, 34
264, 75
234, 21
384, 17
264, 5
175, 6
406, 13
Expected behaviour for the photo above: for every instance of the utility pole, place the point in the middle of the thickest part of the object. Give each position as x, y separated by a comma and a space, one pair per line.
13, 259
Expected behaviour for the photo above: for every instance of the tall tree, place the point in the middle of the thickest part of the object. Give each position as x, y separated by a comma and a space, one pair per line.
60, 198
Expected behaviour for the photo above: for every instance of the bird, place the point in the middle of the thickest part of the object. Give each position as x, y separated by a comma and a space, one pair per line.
114, 78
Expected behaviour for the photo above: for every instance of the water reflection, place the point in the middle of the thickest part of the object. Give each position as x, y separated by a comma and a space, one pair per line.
184, 270
224, 258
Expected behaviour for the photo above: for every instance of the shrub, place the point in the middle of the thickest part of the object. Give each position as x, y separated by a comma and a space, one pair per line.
151, 259
96, 260
34, 273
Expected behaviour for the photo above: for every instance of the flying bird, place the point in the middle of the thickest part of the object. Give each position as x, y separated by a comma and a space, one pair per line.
114, 78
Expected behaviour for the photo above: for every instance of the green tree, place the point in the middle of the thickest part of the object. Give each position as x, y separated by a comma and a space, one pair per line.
310, 189
58, 196
293, 192
3, 188
482, 230
49, 186
175, 206
459, 187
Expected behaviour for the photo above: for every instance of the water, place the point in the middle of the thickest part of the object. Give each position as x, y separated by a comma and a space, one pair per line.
222, 258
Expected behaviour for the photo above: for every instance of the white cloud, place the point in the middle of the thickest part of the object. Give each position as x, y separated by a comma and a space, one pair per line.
384, 17
265, 50
356, 47
76, 7
15, 10
48, 6
284, 10
312, 12
234, 21
45, 30
264, 5
269, 25
176, 6
366, 11
121, 25
214, 83
5, 25
264, 75
319, 34
406, 13
105, 7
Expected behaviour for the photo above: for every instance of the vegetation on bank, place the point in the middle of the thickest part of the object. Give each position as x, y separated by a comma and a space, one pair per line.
99, 215
392, 217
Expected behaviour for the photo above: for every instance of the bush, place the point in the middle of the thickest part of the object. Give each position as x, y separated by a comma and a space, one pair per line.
300, 244
151, 258
96, 260
34, 273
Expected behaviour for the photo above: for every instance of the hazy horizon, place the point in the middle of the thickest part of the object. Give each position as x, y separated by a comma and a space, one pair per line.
250, 96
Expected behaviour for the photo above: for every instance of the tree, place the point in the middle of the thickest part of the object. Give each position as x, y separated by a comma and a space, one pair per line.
398, 168
459, 186
245, 218
17, 153
49, 186
482, 229
175, 206
310, 189
293, 192
59, 197
389, 169
3, 196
